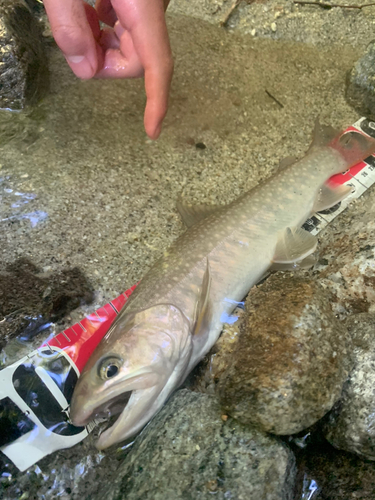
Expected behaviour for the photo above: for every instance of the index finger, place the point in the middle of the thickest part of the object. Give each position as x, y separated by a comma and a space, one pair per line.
145, 21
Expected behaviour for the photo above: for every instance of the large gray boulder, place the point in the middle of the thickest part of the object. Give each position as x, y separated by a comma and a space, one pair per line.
23, 60
290, 360
189, 452
347, 253
351, 425
360, 91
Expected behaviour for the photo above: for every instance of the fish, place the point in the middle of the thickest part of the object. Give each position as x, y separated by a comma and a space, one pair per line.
176, 313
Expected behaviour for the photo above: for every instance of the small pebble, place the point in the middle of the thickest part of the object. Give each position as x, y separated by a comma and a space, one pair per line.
212, 485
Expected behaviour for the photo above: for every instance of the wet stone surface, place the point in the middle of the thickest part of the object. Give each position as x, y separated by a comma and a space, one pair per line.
188, 451
325, 473
351, 424
346, 264
30, 300
23, 61
360, 90
291, 359
70, 474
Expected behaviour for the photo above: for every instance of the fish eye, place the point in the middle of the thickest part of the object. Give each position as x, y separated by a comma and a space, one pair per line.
109, 367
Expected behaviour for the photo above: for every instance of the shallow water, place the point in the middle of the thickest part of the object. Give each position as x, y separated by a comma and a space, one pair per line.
81, 185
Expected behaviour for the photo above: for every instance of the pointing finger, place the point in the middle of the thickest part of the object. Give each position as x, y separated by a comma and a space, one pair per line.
147, 28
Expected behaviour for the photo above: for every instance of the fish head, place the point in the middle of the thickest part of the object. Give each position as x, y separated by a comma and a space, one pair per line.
133, 370
353, 147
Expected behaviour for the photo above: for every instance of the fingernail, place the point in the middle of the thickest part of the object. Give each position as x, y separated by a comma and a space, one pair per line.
75, 59
81, 66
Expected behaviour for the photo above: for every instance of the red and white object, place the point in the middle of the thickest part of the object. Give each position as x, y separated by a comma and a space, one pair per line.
36, 391
360, 178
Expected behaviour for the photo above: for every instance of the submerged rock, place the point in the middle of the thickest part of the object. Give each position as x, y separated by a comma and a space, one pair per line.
23, 61
30, 301
347, 257
326, 473
360, 91
188, 451
291, 358
70, 474
351, 425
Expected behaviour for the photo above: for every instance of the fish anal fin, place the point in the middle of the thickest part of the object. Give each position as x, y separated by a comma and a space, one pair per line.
191, 214
293, 245
203, 308
329, 196
287, 162
323, 134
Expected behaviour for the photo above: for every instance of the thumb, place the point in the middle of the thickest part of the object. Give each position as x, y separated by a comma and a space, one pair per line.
73, 27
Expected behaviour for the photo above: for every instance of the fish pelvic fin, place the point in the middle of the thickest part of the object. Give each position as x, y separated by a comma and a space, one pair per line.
191, 214
305, 263
329, 196
294, 245
203, 309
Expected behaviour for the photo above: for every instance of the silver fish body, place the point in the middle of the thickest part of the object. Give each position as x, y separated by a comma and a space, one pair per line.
176, 313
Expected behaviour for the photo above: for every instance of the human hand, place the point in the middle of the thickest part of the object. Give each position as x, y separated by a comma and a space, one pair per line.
134, 44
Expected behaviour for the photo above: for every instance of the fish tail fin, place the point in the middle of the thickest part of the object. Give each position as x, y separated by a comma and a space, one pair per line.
353, 147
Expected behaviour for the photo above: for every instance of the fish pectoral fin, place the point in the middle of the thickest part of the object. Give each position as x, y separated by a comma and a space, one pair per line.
323, 134
329, 196
191, 214
294, 245
203, 308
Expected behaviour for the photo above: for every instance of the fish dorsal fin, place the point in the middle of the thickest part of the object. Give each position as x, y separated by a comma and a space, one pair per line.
323, 134
329, 196
287, 162
294, 244
191, 214
203, 308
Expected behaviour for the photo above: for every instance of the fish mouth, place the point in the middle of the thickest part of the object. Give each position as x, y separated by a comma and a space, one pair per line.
141, 406
110, 410
127, 411
82, 414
